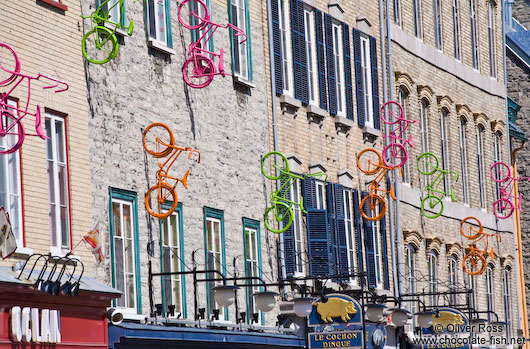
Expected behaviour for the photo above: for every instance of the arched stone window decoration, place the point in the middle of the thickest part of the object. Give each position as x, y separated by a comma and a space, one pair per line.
507, 260
454, 249
425, 92
462, 110
433, 244
445, 102
404, 81
413, 238
482, 119
498, 126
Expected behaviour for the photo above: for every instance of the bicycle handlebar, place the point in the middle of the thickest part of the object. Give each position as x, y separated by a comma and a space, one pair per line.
57, 82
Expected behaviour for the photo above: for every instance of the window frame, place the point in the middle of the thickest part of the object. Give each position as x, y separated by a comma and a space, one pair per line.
167, 25
366, 73
410, 268
126, 196
475, 48
424, 125
438, 24
457, 36
284, 26
403, 99
432, 262
418, 25
444, 144
351, 247
497, 156
338, 57
311, 55
472, 296
463, 158
506, 290
320, 195
490, 290
481, 131
253, 225
397, 16
378, 253
120, 20
295, 194
247, 76
453, 278
491, 38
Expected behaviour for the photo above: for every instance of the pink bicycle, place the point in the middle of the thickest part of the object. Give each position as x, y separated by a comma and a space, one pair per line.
395, 149
11, 117
503, 207
199, 70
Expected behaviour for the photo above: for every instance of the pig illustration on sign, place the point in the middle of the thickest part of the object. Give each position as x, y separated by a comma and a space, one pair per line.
445, 319
336, 307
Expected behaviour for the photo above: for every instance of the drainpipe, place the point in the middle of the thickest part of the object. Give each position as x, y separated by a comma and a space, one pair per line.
385, 99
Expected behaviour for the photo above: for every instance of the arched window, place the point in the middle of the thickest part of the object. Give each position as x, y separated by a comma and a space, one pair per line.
444, 143
432, 262
489, 290
463, 159
453, 278
506, 282
480, 164
424, 124
497, 154
403, 100
410, 269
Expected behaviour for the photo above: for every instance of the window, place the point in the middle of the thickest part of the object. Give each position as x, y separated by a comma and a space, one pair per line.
410, 270
310, 49
159, 26
424, 123
252, 261
472, 296
215, 252
463, 159
489, 291
349, 231
444, 140
58, 187
124, 249
403, 100
11, 178
339, 68
113, 6
456, 30
297, 229
397, 12
285, 40
453, 278
438, 30
497, 154
172, 244
491, 38
418, 26
480, 164
321, 195
367, 80
240, 52
432, 261
506, 287
474, 34
377, 253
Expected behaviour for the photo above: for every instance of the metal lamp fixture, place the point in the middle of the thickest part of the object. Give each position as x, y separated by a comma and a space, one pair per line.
265, 301
476, 325
225, 295
399, 317
303, 306
375, 312
425, 318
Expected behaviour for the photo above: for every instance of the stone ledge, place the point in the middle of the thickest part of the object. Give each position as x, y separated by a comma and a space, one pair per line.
244, 82
160, 47
315, 114
343, 124
289, 104
370, 133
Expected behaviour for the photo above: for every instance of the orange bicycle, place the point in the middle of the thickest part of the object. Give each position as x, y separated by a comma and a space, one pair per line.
159, 142
370, 162
474, 262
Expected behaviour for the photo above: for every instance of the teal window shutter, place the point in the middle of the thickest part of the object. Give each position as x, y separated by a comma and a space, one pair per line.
168, 25
255, 225
249, 40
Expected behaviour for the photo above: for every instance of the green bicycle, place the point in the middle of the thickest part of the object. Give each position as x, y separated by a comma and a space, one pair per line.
428, 165
100, 44
274, 166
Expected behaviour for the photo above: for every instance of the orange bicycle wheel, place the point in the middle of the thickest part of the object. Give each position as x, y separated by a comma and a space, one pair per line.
166, 200
158, 140
474, 263
374, 209
468, 228
369, 161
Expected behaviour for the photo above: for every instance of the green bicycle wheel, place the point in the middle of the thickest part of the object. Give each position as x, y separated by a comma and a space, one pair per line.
279, 213
274, 165
427, 163
434, 204
99, 45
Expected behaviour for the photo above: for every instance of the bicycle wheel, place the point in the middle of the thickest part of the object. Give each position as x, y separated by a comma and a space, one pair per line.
99, 45
503, 208
474, 263
427, 163
468, 228
11, 133
193, 14
374, 209
279, 214
392, 107
434, 204
166, 200
500, 172
158, 140
371, 161
198, 71
395, 151
274, 165
9, 64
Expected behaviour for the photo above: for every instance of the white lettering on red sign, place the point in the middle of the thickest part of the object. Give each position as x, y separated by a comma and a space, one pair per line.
28, 326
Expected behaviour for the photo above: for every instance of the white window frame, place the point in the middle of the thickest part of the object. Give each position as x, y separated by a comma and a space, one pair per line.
377, 254
453, 278
350, 231
253, 260
175, 256
115, 10
463, 158
497, 154
338, 58
410, 268
122, 203
311, 55
438, 25
242, 49
490, 305
475, 48
418, 25
299, 266
285, 42
217, 256
397, 12
60, 245
366, 68
424, 124
320, 195
444, 142
506, 290
432, 268
155, 36
403, 97
491, 39
457, 39
13, 189
481, 130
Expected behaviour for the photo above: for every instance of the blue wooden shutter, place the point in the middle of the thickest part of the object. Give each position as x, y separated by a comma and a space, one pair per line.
332, 223
289, 256
299, 52
309, 193
385, 254
319, 29
359, 89
369, 245
277, 46
358, 229
339, 245
347, 70
375, 82
332, 80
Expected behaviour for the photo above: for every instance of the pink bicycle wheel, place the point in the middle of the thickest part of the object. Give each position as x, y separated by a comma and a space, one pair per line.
9, 64
395, 151
198, 71
394, 118
193, 14
11, 133
500, 172
503, 208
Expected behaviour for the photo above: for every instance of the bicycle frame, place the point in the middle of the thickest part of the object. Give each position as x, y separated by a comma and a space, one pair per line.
397, 133
164, 167
433, 186
374, 185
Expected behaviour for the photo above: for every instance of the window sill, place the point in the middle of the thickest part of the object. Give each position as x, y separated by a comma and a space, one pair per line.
243, 81
315, 114
160, 47
343, 124
118, 31
370, 133
58, 252
23, 251
289, 104
55, 4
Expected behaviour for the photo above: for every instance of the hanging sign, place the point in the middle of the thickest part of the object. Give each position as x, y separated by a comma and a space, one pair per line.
338, 339
35, 325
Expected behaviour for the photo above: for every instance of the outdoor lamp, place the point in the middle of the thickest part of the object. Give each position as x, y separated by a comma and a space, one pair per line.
477, 325
375, 312
425, 318
303, 306
115, 316
225, 295
265, 301
400, 317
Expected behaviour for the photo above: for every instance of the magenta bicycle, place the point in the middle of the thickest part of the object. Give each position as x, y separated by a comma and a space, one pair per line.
396, 150
11, 117
503, 207
199, 70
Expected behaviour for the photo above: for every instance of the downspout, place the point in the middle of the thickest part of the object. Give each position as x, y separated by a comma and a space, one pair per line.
385, 99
